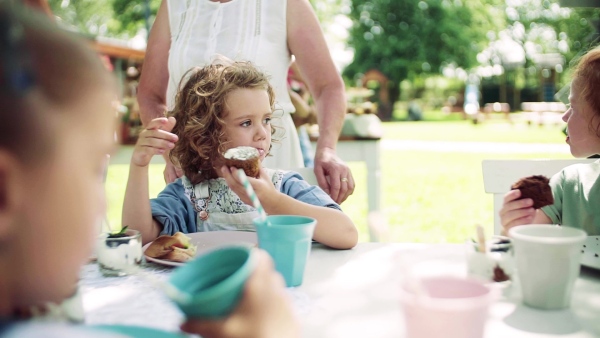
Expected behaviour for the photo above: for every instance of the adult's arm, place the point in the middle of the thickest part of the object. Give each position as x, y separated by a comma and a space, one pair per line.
307, 43
152, 90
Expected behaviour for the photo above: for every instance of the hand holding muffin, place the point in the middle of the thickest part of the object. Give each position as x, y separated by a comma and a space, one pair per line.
522, 204
246, 158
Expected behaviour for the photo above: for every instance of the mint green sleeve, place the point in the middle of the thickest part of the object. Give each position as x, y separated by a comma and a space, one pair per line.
554, 211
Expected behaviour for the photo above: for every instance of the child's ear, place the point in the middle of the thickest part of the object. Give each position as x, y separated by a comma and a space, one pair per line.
10, 193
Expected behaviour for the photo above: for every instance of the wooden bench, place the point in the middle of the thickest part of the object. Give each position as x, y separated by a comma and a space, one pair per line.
543, 112
497, 107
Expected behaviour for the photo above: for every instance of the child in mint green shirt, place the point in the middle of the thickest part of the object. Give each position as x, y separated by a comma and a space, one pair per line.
576, 198
575, 189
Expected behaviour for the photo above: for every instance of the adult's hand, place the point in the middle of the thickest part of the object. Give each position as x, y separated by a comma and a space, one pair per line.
333, 175
263, 312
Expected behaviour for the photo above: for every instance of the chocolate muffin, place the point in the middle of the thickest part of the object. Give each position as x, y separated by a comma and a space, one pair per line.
246, 158
537, 188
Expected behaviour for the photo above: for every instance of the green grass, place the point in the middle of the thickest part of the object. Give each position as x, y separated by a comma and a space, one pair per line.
427, 196
490, 131
437, 197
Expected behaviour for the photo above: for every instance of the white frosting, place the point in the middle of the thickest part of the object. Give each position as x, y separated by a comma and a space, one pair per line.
241, 153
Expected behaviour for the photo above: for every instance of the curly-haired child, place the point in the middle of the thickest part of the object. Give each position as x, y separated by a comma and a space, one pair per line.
218, 107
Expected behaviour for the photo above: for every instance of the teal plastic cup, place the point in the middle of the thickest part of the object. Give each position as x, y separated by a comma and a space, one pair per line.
214, 282
288, 240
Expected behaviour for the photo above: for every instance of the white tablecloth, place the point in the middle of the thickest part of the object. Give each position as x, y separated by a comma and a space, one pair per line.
353, 293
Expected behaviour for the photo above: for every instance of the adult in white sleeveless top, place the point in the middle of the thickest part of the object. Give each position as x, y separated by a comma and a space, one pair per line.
189, 33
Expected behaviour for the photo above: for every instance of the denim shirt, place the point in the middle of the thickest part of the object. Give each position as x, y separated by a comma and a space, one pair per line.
175, 211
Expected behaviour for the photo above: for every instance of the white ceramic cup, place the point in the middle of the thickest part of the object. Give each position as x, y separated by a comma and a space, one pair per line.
445, 307
548, 263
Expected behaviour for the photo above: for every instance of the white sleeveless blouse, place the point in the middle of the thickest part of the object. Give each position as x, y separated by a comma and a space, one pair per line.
242, 30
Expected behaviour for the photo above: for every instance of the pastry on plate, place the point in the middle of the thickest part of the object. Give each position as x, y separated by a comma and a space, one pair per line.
177, 248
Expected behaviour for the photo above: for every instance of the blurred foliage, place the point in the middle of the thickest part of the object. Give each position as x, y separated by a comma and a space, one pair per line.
125, 18
90, 17
408, 40
404, 39
327, 9
132, 14
413, 39
112, 18
543, 27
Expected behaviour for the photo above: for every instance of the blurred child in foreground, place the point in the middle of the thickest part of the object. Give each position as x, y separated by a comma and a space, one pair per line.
57, 127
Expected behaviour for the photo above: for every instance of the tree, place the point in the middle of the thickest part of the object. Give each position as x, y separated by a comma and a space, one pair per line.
326, 10
543, 27
135, 15
546, 37
404, 39
89, 17
112, 18
549, 28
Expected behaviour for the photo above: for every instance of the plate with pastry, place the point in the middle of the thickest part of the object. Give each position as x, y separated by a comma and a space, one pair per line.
590, 252
176, 250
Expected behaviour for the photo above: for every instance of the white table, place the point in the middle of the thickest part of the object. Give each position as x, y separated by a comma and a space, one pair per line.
353, 293
368, 151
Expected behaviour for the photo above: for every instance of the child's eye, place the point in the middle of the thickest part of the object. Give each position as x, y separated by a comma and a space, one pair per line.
267, 120
246, 123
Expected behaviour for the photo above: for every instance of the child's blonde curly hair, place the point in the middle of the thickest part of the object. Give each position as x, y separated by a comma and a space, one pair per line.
200, 109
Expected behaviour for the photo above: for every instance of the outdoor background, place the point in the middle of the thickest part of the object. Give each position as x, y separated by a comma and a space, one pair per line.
428, 55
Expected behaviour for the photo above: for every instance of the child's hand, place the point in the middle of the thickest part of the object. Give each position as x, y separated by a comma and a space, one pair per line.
263, 186
155, 139
263, 312
516, 211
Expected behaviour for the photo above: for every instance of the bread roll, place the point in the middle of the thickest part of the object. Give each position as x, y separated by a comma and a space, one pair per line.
175, 248
181, 255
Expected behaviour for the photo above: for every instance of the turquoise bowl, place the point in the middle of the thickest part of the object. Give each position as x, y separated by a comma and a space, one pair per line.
288, 240
214, 282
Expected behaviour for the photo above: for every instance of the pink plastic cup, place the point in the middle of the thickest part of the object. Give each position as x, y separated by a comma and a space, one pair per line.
445, 307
